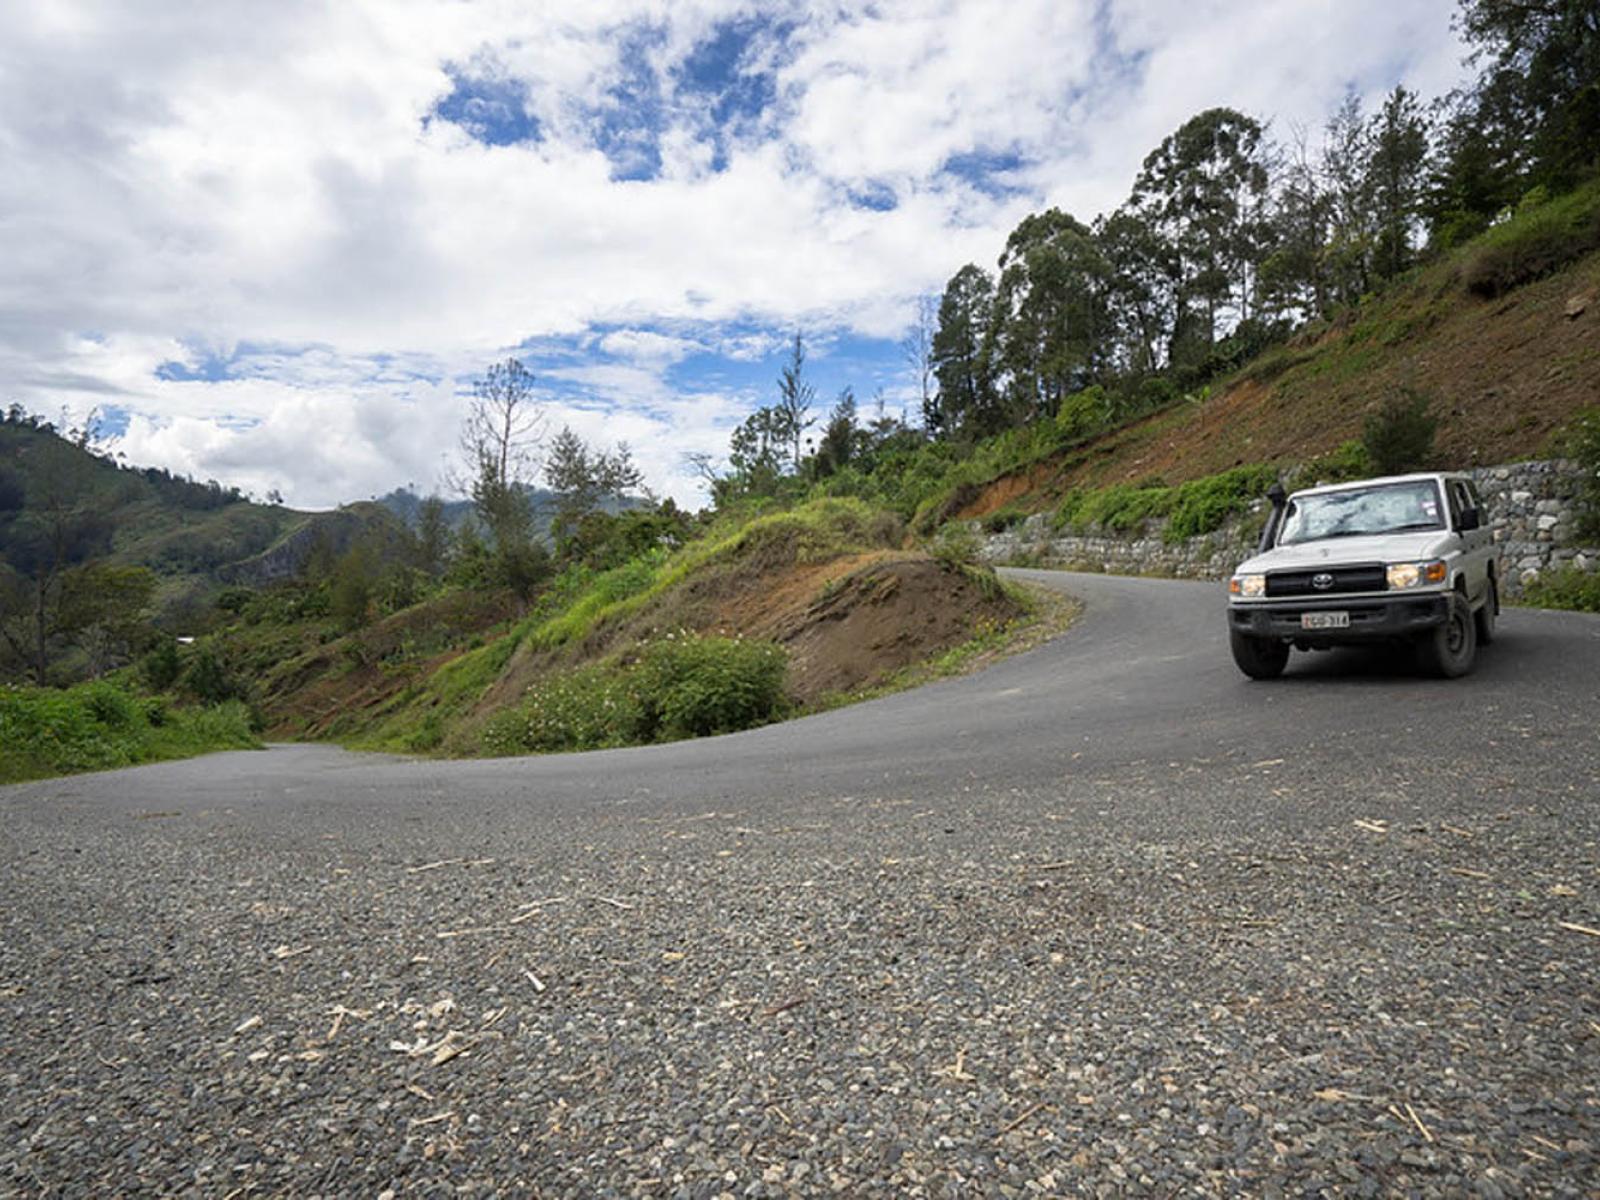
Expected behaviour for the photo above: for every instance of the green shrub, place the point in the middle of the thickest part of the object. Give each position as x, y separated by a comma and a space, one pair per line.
1203, 505
207, 680
95, 726
1348, 461
1565, 588
955, 545
681, 686
1399, 436
1122, 507
1003, 519
1083, 414
161, 666
698, 686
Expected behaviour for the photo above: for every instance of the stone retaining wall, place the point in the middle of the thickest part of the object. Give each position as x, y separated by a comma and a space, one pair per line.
1531, 506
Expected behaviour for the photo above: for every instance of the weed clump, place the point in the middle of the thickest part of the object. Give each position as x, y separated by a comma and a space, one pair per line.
1535, 242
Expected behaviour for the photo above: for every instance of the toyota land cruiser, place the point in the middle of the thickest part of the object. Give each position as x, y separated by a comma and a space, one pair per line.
1403, 559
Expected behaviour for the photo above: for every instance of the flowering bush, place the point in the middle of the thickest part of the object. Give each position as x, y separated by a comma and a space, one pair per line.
680, 686
697, 686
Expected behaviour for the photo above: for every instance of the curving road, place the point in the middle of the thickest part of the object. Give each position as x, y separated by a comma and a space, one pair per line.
1105, 917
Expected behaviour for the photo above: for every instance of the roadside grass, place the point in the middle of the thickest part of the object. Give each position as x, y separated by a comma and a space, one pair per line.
98, 726
1192, 509
1567, 588
680, 686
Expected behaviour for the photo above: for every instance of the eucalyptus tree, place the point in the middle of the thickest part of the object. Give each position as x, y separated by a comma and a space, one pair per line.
1050, 312
1204, 191
963, 354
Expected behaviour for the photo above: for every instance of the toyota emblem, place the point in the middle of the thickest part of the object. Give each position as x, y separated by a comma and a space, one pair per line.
1322, 581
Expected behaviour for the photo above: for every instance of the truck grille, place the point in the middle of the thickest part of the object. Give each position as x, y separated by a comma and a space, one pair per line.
1364, 577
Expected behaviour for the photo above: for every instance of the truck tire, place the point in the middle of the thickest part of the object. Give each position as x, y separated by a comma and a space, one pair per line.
1259, 658
1451, 650
1485, 616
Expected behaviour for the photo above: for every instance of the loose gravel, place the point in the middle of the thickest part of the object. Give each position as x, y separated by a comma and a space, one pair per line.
995, 993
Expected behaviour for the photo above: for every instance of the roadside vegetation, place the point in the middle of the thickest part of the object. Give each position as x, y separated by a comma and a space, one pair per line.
96, 726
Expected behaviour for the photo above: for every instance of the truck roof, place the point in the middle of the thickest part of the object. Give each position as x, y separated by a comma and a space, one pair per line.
1435, 476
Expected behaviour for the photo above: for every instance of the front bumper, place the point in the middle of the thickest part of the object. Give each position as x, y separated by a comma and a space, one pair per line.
1371, 619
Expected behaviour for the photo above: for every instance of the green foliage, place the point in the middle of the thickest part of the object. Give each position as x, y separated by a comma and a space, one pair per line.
1567, 588
954, 546
1348, 461
1083, 414
1399, 436
698, 686
1582, 442
1203, 505
96, 726
208, 679
1120, 508
587, 709
1536, 241
1193, 509
680, 686
1003, 519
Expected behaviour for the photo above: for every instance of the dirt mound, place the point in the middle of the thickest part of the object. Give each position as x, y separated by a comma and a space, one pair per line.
854, 622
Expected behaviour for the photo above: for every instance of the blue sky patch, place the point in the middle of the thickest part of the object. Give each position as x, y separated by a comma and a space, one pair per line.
492, 110
630, 122
985, 170
205, 367
720, 81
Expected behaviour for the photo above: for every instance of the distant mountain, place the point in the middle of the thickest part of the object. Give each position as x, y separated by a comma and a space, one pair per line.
195, 536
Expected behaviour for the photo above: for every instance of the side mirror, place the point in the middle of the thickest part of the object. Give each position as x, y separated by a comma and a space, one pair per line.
1470, 519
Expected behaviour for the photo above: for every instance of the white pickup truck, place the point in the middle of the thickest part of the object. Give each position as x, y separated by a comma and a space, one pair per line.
1405, 559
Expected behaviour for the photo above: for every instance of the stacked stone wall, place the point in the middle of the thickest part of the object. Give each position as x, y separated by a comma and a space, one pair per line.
1531, 507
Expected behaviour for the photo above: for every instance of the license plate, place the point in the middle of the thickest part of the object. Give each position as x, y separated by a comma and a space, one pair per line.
1325, 620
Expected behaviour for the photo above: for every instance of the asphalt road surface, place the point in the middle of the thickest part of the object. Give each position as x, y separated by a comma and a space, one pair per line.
1105, 918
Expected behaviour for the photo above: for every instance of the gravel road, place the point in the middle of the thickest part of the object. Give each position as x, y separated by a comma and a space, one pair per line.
1105, 919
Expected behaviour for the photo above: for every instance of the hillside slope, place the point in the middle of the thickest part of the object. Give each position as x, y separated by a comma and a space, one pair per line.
1502, 375
827, 582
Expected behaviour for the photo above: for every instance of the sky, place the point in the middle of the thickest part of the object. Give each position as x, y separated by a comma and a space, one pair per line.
274, 242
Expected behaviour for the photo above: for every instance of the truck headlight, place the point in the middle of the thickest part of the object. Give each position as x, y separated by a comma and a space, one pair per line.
1410, 575
1247, 586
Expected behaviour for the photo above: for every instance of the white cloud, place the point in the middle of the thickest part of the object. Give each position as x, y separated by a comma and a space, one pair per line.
201, 183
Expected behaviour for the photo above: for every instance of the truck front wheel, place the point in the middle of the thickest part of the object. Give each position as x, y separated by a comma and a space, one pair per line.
1451, 650
1259, 658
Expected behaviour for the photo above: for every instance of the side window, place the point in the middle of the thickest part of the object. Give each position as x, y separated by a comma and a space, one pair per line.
1452, 491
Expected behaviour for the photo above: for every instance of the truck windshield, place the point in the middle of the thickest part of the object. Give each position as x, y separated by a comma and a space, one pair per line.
1386, 508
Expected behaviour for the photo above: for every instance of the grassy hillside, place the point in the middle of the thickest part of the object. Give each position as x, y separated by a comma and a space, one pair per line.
1502, 337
